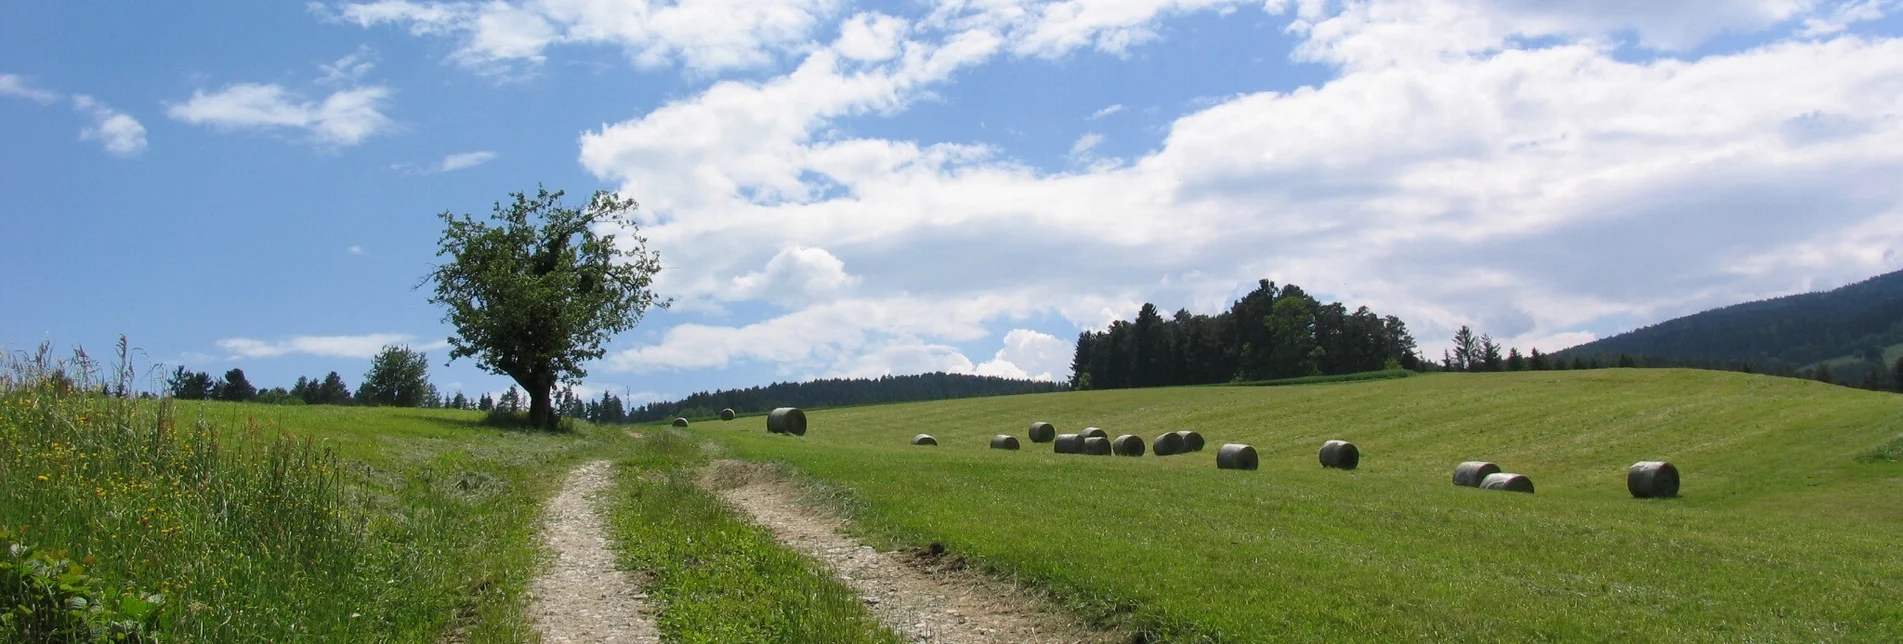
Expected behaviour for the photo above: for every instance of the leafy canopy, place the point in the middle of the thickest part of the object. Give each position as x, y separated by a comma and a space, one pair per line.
534, 291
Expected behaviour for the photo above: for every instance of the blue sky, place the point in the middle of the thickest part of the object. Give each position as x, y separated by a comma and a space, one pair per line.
855, 189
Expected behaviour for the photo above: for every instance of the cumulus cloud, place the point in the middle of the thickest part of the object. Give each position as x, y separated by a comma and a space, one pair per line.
1030, 355
328, 346
796, 275
344, 118
121, 134
1449, 174
16, 86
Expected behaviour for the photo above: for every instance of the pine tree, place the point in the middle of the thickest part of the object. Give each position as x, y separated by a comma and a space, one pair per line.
1466, 349
486, 404
236, 388
1515, 361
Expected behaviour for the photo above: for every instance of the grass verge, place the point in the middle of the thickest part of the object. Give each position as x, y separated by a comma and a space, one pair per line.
719, 579
241, 522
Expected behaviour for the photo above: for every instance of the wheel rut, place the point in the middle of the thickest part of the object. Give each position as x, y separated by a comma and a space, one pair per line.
925, 595
581, 596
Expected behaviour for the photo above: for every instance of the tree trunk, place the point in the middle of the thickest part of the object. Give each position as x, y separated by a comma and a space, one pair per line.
541, 405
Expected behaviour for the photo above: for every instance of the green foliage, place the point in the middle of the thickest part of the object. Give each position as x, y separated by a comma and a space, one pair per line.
535, 292
234, 387
1780, 535
1271, 332
398, 377
45, 597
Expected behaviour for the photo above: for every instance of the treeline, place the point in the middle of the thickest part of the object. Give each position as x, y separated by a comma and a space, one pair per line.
1481, 353
1273, 332
398, 377
1783, 335
840, 392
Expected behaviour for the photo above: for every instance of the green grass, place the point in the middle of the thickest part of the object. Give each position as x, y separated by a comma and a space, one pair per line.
719, 579
270, 523
1783, 532
249, 522
1388, 374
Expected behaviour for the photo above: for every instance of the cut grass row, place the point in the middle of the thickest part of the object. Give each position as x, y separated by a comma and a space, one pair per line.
1784, 533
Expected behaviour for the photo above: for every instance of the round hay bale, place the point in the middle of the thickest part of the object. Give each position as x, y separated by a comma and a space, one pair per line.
1004, 441
1127, 445
1097, 446
1341, 455
1068, 444
924, 439
787, 420
1092, 432
1043, 432
1192, 441
726, 414
680, 422
1507, 481
1471, 473
1652, 480
1168, 444
1235, 456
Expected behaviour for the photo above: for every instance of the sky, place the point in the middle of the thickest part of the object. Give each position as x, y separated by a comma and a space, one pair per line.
853, 189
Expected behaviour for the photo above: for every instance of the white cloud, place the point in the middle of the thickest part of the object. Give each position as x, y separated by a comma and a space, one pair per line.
705, 36
464, 160
1030, 355
796, 275
1085, 143
870, 37
1538, 191
348, 70
121, 134
356, 250
1845, 14
1112, 109
329, 346
344, 118
16, 86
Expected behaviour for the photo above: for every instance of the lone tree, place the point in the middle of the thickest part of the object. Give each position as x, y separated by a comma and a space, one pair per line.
398, 377
535, 291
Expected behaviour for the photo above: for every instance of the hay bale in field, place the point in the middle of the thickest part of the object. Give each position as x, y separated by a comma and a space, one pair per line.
1004, 441
1652, 480
787, 420
1168, 444
1341, 455
1192, 441
1507, 481
1068, 444
726, 414
1092, 432
924, 439
1043, 432
1471, 473
1096, 446
680, 422
1235, 456
1127, 445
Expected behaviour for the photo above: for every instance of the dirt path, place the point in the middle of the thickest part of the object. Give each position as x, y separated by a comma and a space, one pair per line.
925, 595
582, 597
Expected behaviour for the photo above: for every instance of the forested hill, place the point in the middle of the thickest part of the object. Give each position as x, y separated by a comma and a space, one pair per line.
1856, 320
840, 392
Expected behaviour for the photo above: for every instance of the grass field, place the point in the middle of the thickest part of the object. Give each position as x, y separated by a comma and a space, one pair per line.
227, 522
1787, 529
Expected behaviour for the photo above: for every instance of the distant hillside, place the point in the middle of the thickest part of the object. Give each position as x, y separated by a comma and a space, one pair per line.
1858, 320
841, 392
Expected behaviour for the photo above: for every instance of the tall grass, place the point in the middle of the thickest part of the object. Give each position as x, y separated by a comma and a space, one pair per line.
236, 530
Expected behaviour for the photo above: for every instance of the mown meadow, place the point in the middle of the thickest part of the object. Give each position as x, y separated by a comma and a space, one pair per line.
1786, 528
